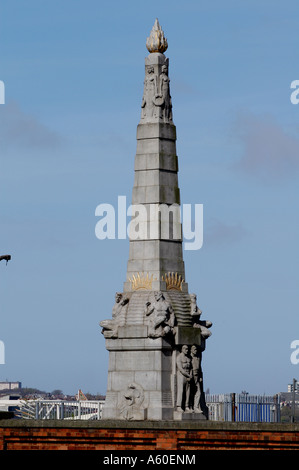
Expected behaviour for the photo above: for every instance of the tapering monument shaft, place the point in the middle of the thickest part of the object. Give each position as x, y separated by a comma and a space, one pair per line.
154, 374
158, 248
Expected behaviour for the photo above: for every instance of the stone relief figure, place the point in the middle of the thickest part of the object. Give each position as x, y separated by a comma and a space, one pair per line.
164, 94
190, 394
149, 93
197, 323
110, 327
132, 400
197, 393
156, 101
161, 316
184, 376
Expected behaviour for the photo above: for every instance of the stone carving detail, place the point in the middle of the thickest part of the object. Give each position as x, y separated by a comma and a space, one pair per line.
131, 403
150, 90
184, 375
161, 316
164, 99
156, 101
110, 327
197, 402
156, 42
197, 323
190, 394
173, 281
142, 281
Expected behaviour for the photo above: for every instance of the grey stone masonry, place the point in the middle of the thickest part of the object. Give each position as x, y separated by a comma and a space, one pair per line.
155, 337
156, 242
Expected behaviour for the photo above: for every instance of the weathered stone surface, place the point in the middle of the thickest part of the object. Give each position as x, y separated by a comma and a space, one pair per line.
156, 161
156, 130
187, 335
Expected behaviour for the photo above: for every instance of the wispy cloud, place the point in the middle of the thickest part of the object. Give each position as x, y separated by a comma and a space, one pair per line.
219, 232
268, 150
21, 130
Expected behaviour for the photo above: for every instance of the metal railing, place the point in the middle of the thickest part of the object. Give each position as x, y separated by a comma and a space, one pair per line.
223, 407
220, 407
58, 409
243, 407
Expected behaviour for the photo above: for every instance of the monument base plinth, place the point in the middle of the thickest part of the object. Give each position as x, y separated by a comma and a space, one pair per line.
188, 416
139, 376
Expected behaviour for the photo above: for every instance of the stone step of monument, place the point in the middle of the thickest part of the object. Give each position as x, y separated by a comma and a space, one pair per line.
136, 307
181, 305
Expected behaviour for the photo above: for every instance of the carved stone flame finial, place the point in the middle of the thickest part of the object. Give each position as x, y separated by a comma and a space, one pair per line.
156, 42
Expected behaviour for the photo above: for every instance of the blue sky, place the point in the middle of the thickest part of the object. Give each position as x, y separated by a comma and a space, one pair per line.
73, 73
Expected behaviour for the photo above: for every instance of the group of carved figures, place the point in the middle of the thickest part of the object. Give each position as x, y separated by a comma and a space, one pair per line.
160, 315
161, 322
189, 391
190, 395
156, 101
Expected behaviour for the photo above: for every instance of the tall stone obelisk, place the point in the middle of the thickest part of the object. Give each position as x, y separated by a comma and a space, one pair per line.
155, 337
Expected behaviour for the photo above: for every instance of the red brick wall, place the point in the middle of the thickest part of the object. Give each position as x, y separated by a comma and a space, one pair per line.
59, 435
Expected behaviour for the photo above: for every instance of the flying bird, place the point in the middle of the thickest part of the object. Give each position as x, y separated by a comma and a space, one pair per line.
6, 257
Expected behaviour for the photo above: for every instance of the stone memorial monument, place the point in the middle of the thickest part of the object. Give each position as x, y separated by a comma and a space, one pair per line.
155, 336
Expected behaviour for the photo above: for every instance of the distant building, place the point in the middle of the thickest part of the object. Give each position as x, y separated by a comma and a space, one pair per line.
10, 385
291, 386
